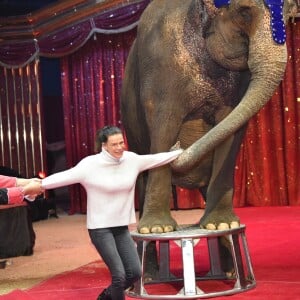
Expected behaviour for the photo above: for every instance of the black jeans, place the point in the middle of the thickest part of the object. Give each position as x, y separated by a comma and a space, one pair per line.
119, 253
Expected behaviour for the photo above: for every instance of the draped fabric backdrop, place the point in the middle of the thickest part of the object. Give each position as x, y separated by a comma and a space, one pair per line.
91, 83
50, 33
268, 166
21, 124
267, 169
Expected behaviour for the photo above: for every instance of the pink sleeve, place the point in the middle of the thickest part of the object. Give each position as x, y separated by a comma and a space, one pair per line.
7, 181
15, 195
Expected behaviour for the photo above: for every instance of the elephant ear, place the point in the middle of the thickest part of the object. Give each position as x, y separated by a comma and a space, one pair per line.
250, 11
243, 13
247, 13
230, 30
280, 11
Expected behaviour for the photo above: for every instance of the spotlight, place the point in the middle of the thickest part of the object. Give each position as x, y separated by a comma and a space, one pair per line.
41, 174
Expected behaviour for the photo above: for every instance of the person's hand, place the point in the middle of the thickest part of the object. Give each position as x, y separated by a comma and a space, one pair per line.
21, 182
33, 188
176, 146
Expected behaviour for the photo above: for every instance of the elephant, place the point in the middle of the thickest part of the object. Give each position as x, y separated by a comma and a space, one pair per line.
196, 73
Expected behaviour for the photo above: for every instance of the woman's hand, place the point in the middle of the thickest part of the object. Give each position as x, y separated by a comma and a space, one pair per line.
176, 146
33, 188
21, 182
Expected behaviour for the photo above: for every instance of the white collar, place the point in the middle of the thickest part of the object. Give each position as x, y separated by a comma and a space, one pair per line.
107, 156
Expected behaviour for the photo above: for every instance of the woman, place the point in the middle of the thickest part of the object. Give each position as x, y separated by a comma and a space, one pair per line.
109, 179
13, 190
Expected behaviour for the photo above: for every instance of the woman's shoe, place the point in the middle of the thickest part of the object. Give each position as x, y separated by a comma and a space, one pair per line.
104, 295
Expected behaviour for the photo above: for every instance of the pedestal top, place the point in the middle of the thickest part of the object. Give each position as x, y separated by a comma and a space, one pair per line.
186, 231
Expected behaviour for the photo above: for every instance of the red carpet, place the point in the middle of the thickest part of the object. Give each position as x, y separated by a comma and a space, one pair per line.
273, 239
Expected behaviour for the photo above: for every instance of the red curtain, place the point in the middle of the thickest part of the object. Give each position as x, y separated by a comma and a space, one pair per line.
267, 168
91, 83
22, 102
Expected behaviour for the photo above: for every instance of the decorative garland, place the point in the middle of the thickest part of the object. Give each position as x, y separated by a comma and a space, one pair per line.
277, 23
220, 3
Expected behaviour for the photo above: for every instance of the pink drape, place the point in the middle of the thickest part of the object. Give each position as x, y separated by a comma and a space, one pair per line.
267, 168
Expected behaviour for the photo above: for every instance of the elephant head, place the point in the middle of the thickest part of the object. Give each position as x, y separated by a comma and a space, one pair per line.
251, 35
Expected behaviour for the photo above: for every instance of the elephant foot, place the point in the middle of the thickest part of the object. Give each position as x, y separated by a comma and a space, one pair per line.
151, 267
220, 221
222, 226
156, 224
231, 274
151, 276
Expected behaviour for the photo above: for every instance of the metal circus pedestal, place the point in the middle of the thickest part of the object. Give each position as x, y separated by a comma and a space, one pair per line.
187, 237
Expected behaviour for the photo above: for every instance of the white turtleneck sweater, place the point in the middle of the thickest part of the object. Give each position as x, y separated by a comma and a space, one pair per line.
110, 184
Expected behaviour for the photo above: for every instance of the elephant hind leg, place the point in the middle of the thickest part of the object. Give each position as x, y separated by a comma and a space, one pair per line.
226, 257
152, 265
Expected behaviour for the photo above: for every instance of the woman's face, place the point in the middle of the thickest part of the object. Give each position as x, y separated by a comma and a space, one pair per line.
115, 145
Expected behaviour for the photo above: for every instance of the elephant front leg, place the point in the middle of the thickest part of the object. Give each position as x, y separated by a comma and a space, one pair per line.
219, 212
221, 216
156, 217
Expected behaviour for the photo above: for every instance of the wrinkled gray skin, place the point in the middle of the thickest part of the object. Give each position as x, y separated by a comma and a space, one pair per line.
197, 74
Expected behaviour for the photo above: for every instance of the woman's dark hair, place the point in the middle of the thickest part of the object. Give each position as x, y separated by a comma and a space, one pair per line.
103, 134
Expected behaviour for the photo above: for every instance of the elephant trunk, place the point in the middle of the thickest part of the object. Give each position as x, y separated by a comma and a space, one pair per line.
267, 62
